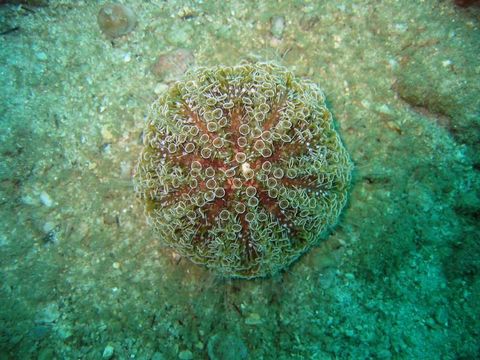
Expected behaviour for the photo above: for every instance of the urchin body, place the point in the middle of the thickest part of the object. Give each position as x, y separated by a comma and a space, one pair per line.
242, 169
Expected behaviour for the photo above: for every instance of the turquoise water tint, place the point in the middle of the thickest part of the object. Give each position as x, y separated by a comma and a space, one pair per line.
84, 276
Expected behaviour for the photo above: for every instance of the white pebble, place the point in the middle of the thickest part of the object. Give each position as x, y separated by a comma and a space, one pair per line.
393, 63
45, 199
385, 109
108, 352
401, 27
446, 63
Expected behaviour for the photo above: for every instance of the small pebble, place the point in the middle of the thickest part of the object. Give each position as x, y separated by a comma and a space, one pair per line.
350, 276
108, 352
401, 27
441, 316
446, 63
27, 200
48, 226
186, 13
253, 319
106, 148
45, 199
393, 63
176, 257
179, 35
41, 56
384, 109
106, 134
337, 40
51, 237
349, 332
430, 322
185, 355
158, 356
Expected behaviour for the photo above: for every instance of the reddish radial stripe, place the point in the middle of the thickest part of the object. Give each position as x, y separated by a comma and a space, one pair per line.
251, 182
202, 126
274, 115
212, 211
257, 163
187, 159
236, 117
196, 119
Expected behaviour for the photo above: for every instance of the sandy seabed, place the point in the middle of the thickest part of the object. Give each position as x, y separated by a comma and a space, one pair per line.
84, 277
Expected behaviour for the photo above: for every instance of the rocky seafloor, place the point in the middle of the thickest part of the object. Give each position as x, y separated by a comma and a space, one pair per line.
83, 276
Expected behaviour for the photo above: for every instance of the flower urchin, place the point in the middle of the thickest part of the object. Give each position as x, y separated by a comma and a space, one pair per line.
242, 169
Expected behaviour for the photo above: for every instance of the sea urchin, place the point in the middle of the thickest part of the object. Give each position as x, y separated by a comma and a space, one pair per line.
242, 169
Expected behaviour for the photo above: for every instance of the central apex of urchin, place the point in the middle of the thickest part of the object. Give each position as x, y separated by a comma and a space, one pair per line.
242, 169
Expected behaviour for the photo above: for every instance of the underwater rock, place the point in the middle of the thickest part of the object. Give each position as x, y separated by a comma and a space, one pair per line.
173, 65
437, 80
116, 20
242, 169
